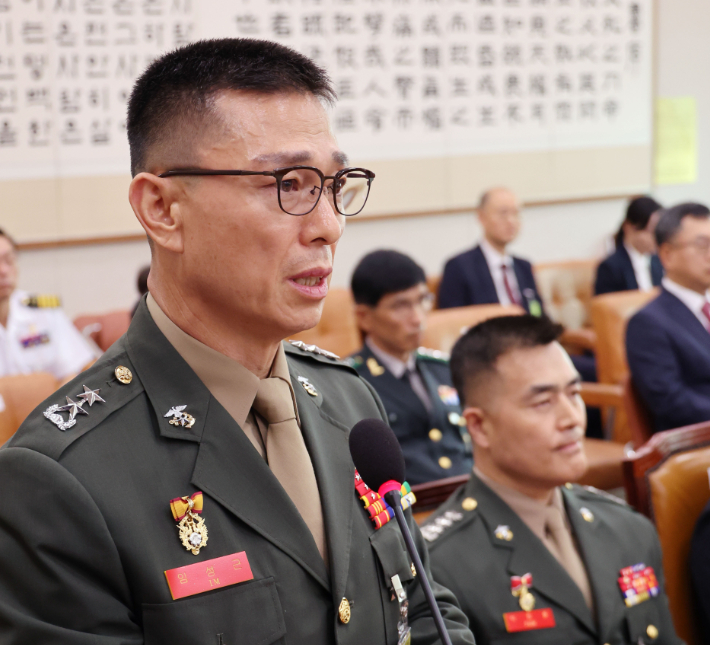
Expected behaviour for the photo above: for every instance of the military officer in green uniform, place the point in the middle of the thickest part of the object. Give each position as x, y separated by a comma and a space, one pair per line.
414, 383
195, 486
533, 559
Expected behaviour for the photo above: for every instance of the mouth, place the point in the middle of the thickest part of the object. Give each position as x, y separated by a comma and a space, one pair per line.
572, 445
312, 283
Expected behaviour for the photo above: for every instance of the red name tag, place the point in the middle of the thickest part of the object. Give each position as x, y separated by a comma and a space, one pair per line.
210, 574
523, 621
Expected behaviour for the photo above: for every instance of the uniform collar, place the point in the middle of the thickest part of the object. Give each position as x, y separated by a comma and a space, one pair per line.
394, 365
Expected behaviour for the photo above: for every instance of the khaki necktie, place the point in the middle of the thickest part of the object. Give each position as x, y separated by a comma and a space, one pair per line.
288, 456
561, 545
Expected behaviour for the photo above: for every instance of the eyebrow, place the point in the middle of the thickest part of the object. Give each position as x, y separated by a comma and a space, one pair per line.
544, 388
296, 158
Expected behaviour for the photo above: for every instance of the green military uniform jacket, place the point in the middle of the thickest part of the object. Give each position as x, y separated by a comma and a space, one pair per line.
86, 531
477, 542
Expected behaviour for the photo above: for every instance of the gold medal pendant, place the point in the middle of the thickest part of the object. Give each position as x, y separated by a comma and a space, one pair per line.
193, 532
527, 601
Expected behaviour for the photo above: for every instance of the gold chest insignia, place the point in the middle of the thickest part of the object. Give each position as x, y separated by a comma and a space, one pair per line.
193, 532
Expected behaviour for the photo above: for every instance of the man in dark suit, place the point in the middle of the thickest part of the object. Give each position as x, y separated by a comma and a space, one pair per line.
488, 274
634, 264
668, 342
531, 557
195, 486
414, 383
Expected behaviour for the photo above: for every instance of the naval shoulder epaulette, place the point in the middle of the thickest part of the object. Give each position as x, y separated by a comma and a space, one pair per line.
432, 355
595, 493
42, 301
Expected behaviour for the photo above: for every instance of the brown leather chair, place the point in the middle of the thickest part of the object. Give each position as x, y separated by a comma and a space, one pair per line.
567, 288
104, 329
431, 495
444, 326
20, 395
336, 331
637, 414
433, 282
610, 313
667, 480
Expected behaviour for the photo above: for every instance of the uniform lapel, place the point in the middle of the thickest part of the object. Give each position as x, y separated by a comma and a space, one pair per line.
327, 443
593, 540
529, 555
228, 468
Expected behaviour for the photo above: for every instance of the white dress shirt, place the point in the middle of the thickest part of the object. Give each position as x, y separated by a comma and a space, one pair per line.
39, 339
692, 299
641, 263
495, 263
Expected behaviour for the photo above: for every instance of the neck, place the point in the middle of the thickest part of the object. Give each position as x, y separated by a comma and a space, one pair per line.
4, 311
498, 246
537, 491
688, 283
383, 347
223, 334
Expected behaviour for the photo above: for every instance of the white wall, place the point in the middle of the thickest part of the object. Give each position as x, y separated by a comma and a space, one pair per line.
101, 278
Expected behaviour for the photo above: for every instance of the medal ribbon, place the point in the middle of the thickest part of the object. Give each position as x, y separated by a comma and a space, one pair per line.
179, 506
518, 584
381, 512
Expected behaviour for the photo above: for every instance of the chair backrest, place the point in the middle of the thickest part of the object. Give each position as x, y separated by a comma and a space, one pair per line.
19, 395
336, 331
431, 495
667, 480
610, 313
444, 326
433, 282
566, 288
638, 416
104, 329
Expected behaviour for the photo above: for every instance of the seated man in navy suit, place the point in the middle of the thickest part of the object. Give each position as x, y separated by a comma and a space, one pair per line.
634, 264
487, 274
668, 341
415, 386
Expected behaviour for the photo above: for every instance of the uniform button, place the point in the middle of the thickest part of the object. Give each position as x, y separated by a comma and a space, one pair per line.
454, 418
445, 463
413, 569
652, 632
344, 611
587, 515
435, 435
469, 504
569, 486
392, 417
123, 374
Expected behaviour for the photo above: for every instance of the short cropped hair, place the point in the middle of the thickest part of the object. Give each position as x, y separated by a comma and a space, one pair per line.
671, 219
382, 272
176, 92
476, 353
8, 238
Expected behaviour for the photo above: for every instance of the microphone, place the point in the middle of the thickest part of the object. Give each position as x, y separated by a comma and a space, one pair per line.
379, 460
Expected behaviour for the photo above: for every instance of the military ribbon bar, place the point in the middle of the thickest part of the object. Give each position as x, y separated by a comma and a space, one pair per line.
638, 583
180, 506
381, 512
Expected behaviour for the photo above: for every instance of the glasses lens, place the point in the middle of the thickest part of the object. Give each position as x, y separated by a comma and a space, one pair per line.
300, 190
351, 191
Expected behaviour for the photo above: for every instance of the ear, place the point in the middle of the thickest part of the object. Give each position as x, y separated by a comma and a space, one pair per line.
477, 426
664, 254
363, 318
154, 202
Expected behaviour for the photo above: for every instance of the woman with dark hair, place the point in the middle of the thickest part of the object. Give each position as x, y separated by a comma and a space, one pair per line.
634, 264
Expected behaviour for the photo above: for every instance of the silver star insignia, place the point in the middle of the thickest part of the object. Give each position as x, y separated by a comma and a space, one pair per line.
73, 408
90, 396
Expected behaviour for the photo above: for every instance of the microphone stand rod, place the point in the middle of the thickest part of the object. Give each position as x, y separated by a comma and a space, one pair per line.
393, 498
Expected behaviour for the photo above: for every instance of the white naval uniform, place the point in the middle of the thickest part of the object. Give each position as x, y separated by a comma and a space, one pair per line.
41, 339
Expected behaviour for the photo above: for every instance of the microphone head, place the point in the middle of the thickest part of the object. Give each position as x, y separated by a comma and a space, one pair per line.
376, 453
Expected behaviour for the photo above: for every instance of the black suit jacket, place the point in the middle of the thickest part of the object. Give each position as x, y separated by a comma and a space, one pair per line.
669, 356
469, 556
616, 273
86, 531
414, 426
467, 280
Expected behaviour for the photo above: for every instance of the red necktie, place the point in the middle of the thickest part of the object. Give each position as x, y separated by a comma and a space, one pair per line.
706, 311
509, 289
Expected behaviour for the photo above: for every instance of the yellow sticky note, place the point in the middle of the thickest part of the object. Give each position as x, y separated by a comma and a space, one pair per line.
676, 159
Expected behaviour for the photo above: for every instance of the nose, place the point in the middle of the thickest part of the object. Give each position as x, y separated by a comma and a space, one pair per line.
571, 412
323, 224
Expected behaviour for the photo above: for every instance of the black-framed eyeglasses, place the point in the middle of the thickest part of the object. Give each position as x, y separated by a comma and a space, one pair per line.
300, 187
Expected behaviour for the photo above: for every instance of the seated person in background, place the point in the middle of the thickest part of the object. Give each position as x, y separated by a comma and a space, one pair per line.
423, 409
668, 341
516, 538
35, 334
487, 274
634, 264
142, 286
700, 572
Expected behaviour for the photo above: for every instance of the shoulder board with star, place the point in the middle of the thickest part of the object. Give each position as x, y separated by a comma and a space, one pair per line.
432, 355
42, 302
448, 516
313, 352
590, 492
